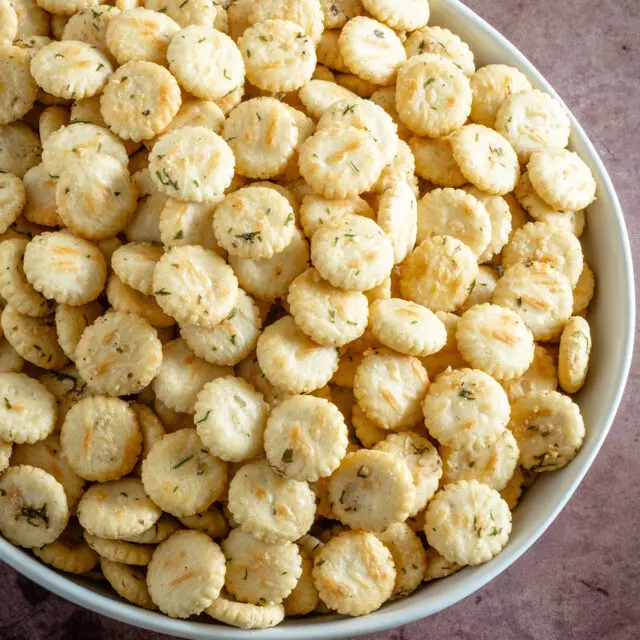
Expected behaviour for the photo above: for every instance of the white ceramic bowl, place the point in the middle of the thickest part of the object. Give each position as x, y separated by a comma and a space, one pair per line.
612, 318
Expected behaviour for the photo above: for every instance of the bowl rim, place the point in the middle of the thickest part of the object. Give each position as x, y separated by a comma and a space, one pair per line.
338, 627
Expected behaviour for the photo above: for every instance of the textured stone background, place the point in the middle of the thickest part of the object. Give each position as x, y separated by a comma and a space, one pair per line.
582, 579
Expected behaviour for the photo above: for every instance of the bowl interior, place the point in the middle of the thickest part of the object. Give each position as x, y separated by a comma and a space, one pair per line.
612, 318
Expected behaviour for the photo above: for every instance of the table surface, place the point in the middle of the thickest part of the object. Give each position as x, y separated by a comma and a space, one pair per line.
581, 580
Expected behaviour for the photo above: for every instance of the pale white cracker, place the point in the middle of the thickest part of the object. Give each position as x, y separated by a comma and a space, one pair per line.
270, 278
540, 294
20, 148
14, 286
354, 254
549, 429
119, 354
140, 34
65, 268
439, 273
522, 479
78, 144
250, 370
102, 184
540, 376
69, 552
372, 490
493, 465
232, 339
181, 476
501, 221
468, 522
90, 25
433, 96
278, 55
151, 429
583, 290
41, 206
371, 50
197, 12
562, 179
48, 455
12, 199
354, 573
254, 222
306, 13
124, 298
482, 290
406, 16
144, 226
573, 357
230, 417
540, 242
435, 162
269, 505
32, 20
260, 572
182, 375
206, 62
328, 315
408, 555
495, 340
243, 614
491, 86
328, 53
10, 361
540, 211
316, 211
200, 290
161, 529
338, 12
8, 22
422, 460
438, 566
531, 121
304, 597
398, 218
134, 262
128, 582
366, 116
305, 438
188, 223
212, 522
486, 159
52, 119
444, 43
407, 327
341, 162
367, 432
19, 89
465, 407
191, 163
101, 438
186, 574
318, 95
263, 136
27, 409
34, 339
71, 69
6, 450
119, 550
140, 100
455, 213
291, 360
197, 113
33, 505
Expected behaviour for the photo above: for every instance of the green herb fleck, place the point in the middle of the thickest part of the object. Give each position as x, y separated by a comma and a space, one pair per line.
162, 292
287, 456
183, 461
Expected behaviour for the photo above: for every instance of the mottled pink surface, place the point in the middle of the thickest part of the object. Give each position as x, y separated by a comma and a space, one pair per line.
582, 579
